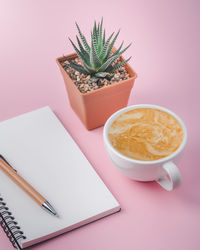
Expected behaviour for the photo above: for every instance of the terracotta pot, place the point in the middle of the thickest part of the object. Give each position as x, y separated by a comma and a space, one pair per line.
95, 107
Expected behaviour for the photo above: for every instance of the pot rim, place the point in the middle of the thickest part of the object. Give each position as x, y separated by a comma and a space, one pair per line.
74, 55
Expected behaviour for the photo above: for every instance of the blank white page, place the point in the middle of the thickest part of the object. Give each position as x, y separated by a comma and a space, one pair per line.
44, 154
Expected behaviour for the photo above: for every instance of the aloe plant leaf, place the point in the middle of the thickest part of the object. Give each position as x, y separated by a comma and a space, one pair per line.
112, 44
94, 79
94, 41
76, 49
77, 67
89, 69
107, 63
109, 77
98, 30
104, 50
118, 50
121, 52
100, 43
104, 37
94, 37
84, 52
116, 66
80, 55
109, 69
86, 45
101, 74
94, 59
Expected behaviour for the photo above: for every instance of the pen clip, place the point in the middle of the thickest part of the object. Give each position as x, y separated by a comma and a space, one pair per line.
7, 162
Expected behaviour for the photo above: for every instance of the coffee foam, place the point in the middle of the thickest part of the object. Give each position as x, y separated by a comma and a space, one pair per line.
146, 134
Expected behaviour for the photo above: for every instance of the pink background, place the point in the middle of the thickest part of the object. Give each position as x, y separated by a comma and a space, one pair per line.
165, 50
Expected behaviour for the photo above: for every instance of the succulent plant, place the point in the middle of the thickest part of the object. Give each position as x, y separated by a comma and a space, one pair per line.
97, 59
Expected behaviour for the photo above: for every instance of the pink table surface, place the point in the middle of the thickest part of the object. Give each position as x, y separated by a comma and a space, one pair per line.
165, 51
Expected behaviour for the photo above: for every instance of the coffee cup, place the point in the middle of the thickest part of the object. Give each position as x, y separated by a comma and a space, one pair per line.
164, 170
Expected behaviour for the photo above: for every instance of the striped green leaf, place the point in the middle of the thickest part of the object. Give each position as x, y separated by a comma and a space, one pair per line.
109, 77
95, 36
118, 50
121, 52
116, 66
84, 52
80, 55
94, 59
101, 74
77, 67
98, 30
100, 43
112, 44
104, 37
104, 50
87, 47
89, 69
107, 63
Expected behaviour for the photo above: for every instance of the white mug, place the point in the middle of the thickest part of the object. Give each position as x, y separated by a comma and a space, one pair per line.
164, 171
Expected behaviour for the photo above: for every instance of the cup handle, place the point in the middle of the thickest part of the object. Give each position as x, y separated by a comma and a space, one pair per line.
172, 177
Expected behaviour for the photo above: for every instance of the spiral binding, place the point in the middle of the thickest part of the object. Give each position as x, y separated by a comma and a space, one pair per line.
9, 225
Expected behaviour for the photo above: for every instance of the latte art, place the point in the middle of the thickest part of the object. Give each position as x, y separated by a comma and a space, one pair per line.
146, 134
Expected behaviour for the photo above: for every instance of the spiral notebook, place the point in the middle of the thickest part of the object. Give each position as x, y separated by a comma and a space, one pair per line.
44, 154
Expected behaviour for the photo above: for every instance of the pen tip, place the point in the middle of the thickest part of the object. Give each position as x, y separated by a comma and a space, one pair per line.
48, 207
